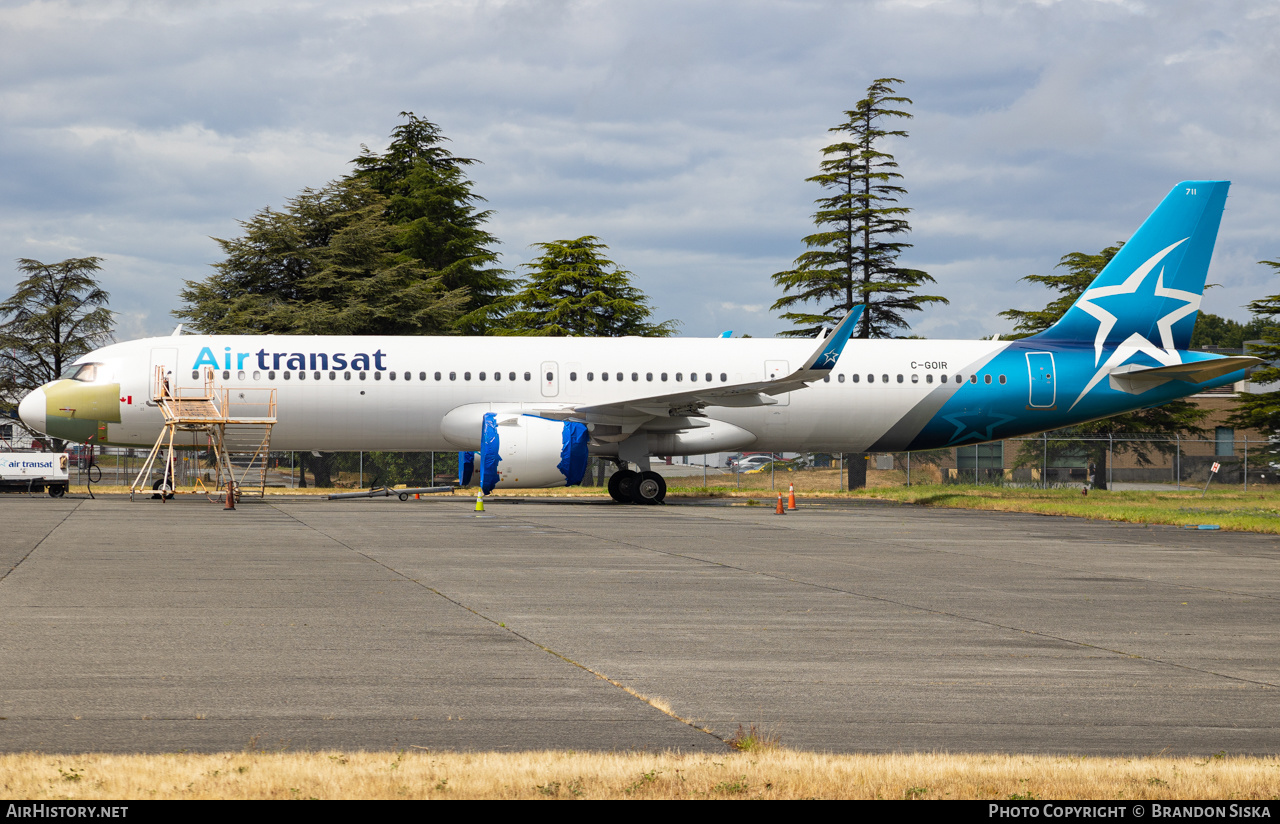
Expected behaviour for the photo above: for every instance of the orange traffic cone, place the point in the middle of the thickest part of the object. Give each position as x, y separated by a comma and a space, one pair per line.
791, 497
231, 496
779, 510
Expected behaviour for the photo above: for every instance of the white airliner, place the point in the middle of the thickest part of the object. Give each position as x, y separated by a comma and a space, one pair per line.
536, 408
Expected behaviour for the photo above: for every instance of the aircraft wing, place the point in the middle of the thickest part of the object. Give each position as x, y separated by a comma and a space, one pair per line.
691, 402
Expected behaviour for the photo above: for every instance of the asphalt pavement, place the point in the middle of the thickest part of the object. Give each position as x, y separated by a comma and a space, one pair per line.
845, 626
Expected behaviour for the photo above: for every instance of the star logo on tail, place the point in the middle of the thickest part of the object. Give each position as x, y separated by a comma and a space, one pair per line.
1130, 296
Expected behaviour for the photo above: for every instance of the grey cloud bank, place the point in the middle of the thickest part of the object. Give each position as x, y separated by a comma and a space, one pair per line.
680, 134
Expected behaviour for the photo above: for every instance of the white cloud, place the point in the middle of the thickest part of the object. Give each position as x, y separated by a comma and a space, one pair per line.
679, 133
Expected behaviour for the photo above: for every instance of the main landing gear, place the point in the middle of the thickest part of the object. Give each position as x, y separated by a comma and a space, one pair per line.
629, 487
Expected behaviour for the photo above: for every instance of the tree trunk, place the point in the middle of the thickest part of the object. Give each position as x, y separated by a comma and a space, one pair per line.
599, 471
1098, 467
857, 469
320, 469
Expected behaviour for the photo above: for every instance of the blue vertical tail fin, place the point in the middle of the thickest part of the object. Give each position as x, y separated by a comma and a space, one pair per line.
1152, 287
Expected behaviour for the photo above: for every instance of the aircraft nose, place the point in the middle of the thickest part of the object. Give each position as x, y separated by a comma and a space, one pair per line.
32, 410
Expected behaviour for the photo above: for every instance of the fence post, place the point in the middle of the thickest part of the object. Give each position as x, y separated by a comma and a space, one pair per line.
1246, 463
1044, 467
841, 464
1177, 464
908, 469
362, 469
704, 470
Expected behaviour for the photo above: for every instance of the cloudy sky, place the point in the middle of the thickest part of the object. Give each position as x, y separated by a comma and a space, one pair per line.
680, 133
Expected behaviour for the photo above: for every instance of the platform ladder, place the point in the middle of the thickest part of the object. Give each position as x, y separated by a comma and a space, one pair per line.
232, 422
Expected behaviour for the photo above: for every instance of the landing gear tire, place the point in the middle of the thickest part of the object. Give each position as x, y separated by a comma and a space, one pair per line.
620, 485
649, 488
163, 491
57, 490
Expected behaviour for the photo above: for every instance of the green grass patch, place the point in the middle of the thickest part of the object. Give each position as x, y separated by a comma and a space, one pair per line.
1253, 511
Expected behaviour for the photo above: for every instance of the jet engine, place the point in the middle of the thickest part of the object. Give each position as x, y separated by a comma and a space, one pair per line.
527, 451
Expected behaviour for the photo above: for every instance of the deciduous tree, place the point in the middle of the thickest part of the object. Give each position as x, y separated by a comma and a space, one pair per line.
1261, 410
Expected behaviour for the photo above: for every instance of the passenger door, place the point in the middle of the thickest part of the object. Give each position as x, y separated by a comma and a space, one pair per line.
1043, 387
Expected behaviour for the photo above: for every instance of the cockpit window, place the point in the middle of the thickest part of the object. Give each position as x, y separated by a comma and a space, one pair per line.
85, 372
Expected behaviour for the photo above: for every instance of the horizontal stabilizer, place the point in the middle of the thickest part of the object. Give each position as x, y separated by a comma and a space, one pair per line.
1138, 379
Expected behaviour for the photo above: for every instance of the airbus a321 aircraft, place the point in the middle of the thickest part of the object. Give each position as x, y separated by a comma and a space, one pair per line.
536, 408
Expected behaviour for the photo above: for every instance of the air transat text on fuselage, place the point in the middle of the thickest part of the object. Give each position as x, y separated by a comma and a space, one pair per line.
360, 361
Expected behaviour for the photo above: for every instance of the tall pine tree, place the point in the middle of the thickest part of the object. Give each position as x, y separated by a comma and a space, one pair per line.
853, 257
431, 200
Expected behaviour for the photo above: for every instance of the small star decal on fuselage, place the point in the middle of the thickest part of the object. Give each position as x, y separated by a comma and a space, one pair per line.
975, 425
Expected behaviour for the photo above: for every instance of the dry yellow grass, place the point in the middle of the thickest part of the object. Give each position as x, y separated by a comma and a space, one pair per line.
419, 773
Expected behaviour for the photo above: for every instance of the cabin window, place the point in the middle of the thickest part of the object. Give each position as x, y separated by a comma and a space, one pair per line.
377, 376
724, 378
528, 376
257, 376
497, 376
591, 376
899, 378
481, 376
195, 374
942, 378
693, 376
239, 376
1002, 380
871, 378
915, 378
826, 379
840, 378
648, 376
466, 376
512, 376
333, 376
635, 376
973, 379
408, 376
604, 376
438, 376
285, 375
884, 378
573, 376
664, 376
679, 376
316, 376
362, 375
929, 378
271, 376
619, 376
302, 376
550, 377
226, 376
855, 378
392, 375
346, 376
422, 376
986, 379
